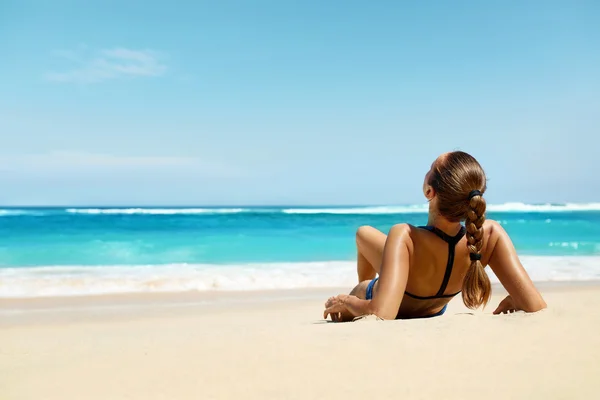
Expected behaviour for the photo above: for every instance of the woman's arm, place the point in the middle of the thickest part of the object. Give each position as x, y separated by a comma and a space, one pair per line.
506, 265
392, 280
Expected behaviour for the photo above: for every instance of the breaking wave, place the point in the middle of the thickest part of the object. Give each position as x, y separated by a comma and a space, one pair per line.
506, 207
157, 211
359, 210
81, 280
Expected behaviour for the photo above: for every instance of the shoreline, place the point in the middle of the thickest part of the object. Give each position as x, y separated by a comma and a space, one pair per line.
56, 310
124, 280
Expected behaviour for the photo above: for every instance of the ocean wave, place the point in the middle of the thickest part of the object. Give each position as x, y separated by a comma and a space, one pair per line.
58, 281
156, 211
17, 213
359, 210
422, 209
514, 207
523, 207
84, 280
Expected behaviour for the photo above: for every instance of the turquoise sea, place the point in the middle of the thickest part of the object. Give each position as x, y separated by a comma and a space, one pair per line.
70, 251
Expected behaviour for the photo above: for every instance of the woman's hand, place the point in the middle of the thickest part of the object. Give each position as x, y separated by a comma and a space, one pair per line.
506, 306
335, 306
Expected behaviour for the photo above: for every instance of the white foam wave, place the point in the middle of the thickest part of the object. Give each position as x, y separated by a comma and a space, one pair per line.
156, 211
522, 207
360, 210
14, 213
363, 210
422, 209
81, 280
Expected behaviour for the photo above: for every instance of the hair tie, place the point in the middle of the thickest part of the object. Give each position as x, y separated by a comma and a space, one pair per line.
474, 193
475, 257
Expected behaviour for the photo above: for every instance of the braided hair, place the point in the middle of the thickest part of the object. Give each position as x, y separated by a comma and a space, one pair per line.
459, 182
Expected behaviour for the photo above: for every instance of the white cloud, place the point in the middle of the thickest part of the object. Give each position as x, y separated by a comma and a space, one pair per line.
68, 163
108, 64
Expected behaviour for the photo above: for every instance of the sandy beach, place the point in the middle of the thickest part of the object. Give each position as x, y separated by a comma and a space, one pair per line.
257, 345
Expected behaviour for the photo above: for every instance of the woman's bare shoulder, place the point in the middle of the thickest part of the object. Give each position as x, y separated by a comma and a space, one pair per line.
492, 229
403, 232
492, 224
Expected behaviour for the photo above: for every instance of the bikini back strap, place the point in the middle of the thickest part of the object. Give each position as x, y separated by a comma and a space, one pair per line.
452, 241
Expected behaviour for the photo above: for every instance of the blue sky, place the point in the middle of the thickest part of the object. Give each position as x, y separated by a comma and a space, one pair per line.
294, 102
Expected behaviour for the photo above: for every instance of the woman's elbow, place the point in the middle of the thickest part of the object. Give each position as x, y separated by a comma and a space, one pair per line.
535, 306
382, 312
542, 305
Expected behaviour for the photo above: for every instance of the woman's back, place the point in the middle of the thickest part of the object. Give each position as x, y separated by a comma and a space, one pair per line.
439, 263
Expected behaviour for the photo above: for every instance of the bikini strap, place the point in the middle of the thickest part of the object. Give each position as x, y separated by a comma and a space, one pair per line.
452, 241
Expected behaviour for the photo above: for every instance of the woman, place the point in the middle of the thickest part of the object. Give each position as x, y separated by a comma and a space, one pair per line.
422, 268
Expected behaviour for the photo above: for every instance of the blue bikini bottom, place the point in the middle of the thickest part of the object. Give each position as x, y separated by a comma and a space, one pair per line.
369, 296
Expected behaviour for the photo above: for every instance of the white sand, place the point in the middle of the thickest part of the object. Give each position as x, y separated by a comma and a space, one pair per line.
250, 347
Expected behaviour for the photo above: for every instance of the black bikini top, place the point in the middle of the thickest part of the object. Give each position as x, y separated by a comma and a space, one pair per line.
452, 241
